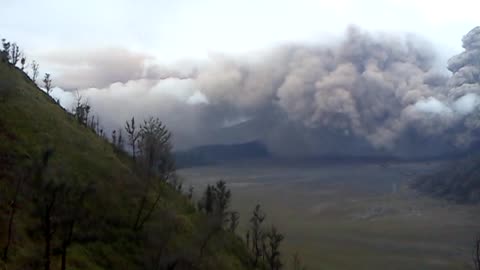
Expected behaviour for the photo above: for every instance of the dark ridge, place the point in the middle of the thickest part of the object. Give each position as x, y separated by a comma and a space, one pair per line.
459, 182
218, 153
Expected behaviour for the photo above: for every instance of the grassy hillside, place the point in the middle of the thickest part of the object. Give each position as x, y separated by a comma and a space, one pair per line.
30, 123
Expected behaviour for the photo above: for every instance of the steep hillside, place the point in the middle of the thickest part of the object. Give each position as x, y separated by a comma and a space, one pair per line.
459, 182
176, 236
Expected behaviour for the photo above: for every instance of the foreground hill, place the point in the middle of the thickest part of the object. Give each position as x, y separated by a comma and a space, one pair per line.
459, 182
34, 129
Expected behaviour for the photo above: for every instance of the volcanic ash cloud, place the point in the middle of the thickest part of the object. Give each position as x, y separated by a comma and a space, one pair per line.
366, 93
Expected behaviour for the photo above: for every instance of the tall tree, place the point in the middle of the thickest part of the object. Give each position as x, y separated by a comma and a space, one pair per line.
222, 198
133, 136
47, 82
15, 54
272, 251
256, 234
155, 149
216, 200
81, 110
156, 164
120, 142
35, 71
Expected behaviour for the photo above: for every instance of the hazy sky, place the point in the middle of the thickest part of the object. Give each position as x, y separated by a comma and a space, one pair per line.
200, 64
181, 29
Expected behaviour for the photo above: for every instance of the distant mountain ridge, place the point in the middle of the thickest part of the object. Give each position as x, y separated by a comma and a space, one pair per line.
217, 153
459, 182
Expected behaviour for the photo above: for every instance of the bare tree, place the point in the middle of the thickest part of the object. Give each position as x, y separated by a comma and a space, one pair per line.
155, 149
81, 110
15, 54
13, 208
215, 202
256, 234
272, 251
156, 164
35, 71
47, 81
120, 141
133, 136
94, 124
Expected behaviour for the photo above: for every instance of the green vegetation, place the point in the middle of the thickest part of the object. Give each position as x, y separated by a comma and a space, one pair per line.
72, 199
67, 194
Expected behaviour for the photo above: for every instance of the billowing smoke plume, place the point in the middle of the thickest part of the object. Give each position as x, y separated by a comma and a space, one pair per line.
364, 95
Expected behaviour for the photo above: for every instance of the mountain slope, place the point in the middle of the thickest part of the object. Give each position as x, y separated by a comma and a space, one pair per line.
31, 123
459, 182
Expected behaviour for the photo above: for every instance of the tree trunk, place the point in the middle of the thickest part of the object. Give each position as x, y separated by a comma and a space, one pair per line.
476, 254
66, 242
205, 243
47, 235
150, 211
139, 213
13, 208
64, 256
48, 230
10, 228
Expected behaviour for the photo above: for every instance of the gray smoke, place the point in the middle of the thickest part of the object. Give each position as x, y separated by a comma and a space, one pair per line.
366, 94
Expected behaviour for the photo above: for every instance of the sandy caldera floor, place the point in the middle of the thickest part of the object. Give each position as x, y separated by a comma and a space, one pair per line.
350, 215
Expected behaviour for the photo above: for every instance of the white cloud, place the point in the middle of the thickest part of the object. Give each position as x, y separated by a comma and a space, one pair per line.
467, 103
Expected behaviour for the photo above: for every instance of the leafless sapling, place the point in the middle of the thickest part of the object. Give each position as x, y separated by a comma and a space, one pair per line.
272, 250
15, 54
47, 82
133, 136
256, 234
35, 71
